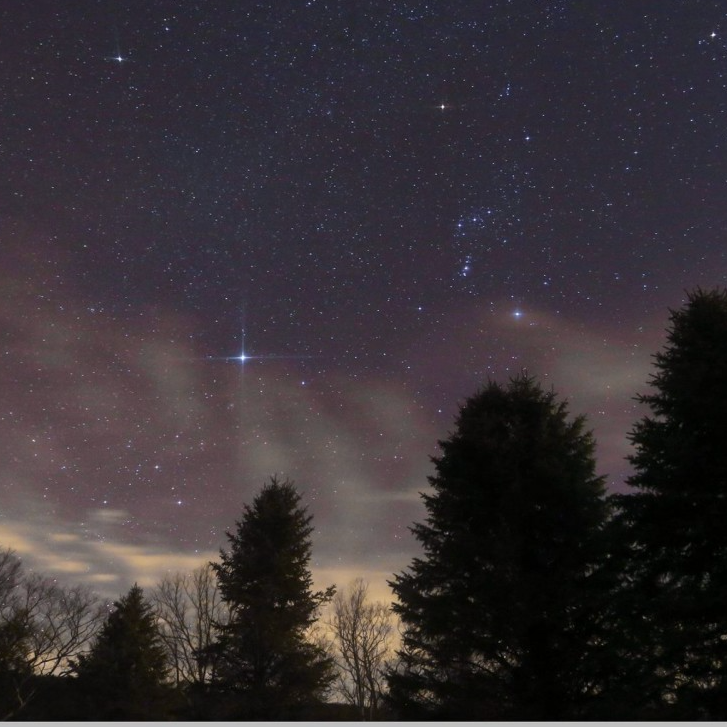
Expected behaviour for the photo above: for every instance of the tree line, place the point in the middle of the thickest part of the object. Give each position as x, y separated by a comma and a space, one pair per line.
245, 637
536, 595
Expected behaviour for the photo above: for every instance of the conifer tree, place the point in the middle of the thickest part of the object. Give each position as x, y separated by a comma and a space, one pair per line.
501, 612
123, 675
14, 669
674, 521
266, 662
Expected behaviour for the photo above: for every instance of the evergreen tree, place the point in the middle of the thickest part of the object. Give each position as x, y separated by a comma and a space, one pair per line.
14, 668
673, 522
15, 635
266, 662
123, 675
501, 614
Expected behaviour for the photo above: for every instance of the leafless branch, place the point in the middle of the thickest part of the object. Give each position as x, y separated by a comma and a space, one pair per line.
188, 605
363, 633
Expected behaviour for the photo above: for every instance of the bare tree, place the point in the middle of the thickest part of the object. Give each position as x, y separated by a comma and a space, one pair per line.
43, 627
189, 607
10, 571
63, 621
13, 627
363, 634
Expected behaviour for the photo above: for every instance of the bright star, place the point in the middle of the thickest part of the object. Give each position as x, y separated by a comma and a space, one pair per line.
242, 358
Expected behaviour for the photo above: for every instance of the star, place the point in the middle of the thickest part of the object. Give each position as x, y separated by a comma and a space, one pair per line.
242, 357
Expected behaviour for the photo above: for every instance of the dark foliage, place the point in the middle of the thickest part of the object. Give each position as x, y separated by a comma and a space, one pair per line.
501, 614
123, 675
530, 601
14, 669
674, 523
268, 668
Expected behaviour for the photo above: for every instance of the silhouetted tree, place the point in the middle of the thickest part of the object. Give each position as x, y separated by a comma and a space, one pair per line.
266, 661
123, 675
501, 614
14, 637
188, 606
362, 636
62, 621
674, 522
43, 626
15, 674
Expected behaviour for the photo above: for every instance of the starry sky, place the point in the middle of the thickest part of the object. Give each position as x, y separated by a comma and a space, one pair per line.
378, 204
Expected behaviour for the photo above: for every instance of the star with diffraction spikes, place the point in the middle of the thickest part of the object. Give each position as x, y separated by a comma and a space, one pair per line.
118, 57
242, 357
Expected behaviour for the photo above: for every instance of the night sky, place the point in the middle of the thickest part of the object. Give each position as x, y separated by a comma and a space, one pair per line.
380, 204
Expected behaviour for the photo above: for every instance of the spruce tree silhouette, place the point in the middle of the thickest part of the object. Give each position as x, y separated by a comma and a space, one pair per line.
500, 613
266, 663
673, 524
123, 675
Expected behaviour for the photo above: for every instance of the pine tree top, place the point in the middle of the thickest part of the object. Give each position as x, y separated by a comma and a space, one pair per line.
269, 554
128, 646
690, 370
